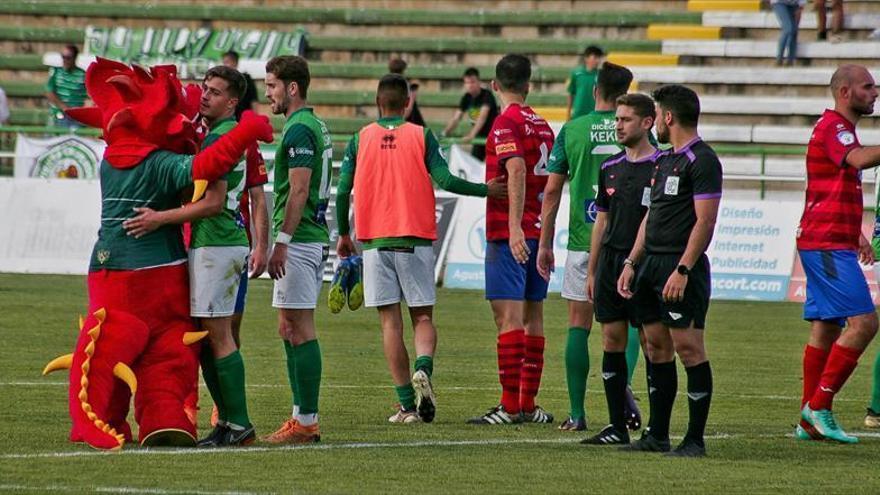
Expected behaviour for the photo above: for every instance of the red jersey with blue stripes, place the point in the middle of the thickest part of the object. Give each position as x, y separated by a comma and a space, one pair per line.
832, 216
518, 132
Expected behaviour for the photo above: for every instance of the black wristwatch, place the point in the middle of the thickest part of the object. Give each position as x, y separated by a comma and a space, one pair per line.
683, 270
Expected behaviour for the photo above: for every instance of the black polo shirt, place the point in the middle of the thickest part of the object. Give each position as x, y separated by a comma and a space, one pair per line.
624, 192
679, 179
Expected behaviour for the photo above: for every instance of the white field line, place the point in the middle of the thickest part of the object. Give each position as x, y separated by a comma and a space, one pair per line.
331, 446
115, 489
352, 446
442, 389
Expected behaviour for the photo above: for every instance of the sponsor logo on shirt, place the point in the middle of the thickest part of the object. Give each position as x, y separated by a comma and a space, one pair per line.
388, 142
505, 148
846, 138
500, 132
293, 152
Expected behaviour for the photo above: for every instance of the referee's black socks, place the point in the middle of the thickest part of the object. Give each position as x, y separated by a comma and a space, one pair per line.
614, 375
661, 393
699, 398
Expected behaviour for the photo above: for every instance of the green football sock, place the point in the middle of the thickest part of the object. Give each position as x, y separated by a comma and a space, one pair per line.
406, 395
577, 365
291, 372
209, 373
308, 375
875, 395
230, 371
425, 363
633, 345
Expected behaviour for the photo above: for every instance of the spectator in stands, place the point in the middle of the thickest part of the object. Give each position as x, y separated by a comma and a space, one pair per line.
66, 88
480, 106
789, 14
581, 83
836, 20
248, 101
4, 108
412, 113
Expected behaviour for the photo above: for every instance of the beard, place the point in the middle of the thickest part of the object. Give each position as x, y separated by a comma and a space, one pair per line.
663, 135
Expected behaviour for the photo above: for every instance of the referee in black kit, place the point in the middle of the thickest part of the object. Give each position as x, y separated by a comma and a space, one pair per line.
672, 284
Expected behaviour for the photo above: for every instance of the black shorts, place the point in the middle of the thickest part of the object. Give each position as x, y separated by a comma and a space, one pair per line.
650, 280
608, 305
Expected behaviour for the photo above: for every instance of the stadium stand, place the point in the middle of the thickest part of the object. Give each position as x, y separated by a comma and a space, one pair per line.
724, 49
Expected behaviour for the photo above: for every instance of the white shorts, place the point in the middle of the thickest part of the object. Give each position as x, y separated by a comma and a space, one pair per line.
304, 273
392, 273
574, 280
214, 276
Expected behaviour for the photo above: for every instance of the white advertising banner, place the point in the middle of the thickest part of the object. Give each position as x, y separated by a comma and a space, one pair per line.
467, 251
63, 157
48, 226
752, 252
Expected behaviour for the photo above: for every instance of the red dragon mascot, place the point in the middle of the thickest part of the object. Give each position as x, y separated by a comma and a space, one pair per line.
138, 338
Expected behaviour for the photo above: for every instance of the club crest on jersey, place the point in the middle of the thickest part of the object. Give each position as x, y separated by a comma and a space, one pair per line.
671, 186
609, 191
103, 255
505, 148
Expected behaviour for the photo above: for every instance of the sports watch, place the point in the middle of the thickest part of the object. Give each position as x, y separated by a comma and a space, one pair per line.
683, 270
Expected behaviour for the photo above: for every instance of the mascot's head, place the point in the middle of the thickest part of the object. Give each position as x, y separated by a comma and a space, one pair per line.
139, 111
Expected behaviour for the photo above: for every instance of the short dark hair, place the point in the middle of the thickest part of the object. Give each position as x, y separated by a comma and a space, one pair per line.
73, 48
397, 66
291, 68
642, 104
613, 81
471, 72
392, 92
681, 101
593, 50
236, 84
232, 54
513, 72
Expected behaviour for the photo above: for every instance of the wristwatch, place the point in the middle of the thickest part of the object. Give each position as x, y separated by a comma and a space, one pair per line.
629, 262
683, 270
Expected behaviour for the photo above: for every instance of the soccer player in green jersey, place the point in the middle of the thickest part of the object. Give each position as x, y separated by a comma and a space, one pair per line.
581, 82
581, 147
302, 191
218, 255
389, 165
872, 416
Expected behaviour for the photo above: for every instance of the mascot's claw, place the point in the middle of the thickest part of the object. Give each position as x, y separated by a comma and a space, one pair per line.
60, 363
193, 337
200, 186
124, 373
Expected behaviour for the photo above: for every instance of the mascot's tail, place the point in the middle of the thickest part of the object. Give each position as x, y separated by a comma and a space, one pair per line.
108, 343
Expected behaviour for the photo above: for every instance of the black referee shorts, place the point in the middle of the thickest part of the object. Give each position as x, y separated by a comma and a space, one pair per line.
608, 305
648, 298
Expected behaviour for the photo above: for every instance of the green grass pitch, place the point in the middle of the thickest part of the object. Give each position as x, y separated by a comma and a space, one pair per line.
755, 350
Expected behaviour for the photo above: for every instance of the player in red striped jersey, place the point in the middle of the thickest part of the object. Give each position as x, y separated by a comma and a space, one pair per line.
830, 244
517, 151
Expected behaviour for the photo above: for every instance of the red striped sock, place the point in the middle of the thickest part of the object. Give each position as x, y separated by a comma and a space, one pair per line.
842, 362
510, 358
814, 364
533, 366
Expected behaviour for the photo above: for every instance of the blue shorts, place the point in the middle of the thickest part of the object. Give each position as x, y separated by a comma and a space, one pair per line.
836, 286
242, 292
507, 279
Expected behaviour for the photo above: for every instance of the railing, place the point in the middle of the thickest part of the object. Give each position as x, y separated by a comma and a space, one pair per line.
762, 151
